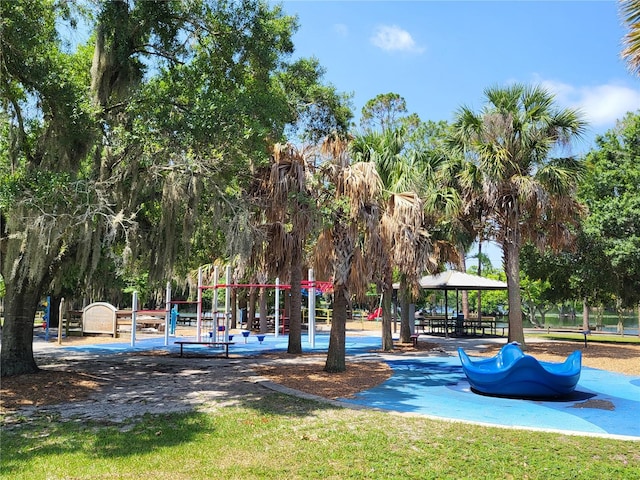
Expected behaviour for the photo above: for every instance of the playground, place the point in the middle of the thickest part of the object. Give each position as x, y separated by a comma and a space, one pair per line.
425, 380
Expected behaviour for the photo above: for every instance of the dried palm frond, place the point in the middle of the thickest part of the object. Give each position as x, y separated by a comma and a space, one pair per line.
443, 252
378, 253
323, 255
287, 176
362, 185
336, 147
406, 209
278, 248
360, 275
403, 230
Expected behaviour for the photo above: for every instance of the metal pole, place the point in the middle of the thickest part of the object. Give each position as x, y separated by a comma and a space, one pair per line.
60, 321
277, 308
199, 307
47, 319
134, 317
446, 313
227, 304
167, 313
214, 305
312, 309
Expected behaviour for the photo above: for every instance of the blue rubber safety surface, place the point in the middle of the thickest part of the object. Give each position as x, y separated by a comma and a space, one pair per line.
604, 403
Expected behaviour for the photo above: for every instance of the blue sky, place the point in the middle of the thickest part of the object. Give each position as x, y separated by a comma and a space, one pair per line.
441, 55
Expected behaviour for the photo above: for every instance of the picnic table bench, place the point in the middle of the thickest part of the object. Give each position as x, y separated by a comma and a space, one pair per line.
182, 343
571, 330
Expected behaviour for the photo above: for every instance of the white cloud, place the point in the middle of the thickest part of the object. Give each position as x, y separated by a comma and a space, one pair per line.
393, 38
605, 104
601, 104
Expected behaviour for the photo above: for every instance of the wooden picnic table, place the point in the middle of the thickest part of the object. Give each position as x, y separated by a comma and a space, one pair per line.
438, 325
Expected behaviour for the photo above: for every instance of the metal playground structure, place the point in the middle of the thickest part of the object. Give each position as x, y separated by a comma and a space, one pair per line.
220, 317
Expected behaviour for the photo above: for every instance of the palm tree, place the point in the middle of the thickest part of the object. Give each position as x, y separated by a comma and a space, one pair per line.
290, 196
526, 195
630, 10
283, 215
404, 239
463, 211
350, 193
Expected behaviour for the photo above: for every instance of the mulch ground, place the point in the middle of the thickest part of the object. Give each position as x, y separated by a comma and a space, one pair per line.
53, 386
612, 357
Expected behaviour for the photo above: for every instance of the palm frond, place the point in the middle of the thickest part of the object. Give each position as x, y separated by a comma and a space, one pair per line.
359, 276
560, 176
361, 185
630, 11
277, 249
336, 148
323, 259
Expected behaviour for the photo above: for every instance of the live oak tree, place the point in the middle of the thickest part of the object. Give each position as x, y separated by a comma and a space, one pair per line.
119, 148
48, 207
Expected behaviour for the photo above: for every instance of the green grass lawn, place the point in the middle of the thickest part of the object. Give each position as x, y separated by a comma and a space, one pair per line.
282, 437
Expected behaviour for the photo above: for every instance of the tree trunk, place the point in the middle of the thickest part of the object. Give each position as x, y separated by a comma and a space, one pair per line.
620, 327
404, 297
54, 310
543, 316
531, 307
336, 361
387, 337
23, 294
21, 304
585, 315
387, 298
512, 270
343, 247
295, 312
480, 274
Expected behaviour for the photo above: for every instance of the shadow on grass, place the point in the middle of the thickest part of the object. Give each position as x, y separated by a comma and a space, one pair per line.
49, 442
52, 443
122, 411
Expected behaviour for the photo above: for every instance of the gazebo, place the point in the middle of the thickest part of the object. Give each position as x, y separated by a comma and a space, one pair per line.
455, 280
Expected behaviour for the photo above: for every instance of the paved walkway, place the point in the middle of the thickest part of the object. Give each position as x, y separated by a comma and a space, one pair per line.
604, 403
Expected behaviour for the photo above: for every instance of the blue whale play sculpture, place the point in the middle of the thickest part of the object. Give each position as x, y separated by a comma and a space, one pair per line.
511, 373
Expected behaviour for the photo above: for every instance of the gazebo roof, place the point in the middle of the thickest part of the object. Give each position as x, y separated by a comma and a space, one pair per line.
454, 280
